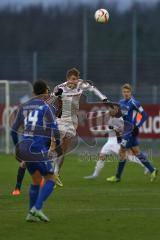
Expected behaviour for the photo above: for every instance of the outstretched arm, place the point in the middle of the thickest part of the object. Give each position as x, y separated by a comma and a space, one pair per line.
86, 86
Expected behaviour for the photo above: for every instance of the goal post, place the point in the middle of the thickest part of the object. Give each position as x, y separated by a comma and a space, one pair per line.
12, 93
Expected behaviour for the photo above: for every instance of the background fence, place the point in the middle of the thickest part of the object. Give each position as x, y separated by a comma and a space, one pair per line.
42, 43
106, 72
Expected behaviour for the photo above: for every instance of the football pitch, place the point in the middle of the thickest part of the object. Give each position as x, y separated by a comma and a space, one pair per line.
84, 209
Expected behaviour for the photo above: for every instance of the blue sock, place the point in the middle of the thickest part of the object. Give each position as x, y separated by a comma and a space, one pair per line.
44, 193
20, 176
33, 194
120, 168
145, 162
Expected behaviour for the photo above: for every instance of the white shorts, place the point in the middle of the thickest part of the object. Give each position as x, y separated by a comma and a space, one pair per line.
110, 148
66, 128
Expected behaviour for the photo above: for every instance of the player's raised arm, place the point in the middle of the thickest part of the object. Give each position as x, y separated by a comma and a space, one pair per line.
87, 86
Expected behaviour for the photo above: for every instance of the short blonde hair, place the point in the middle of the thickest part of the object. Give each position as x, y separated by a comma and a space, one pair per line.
127, 86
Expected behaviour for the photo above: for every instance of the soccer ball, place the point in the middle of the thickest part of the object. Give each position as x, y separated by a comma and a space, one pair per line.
101, 16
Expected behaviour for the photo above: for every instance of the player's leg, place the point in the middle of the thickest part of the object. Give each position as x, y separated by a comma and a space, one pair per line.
60, 160
44, 194
100, 164
39, 196
132, 158
68, 144
121, 165
98, 168
106, 150
20, 177
33, 190
143, 158
127, 143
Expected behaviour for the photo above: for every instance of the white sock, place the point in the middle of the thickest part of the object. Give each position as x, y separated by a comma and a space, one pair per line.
134, 159
98, 167
58, 164
56, 168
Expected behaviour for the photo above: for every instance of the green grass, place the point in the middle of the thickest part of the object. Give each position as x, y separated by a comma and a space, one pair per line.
84, 210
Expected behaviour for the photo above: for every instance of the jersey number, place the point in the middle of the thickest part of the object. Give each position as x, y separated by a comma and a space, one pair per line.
32, 119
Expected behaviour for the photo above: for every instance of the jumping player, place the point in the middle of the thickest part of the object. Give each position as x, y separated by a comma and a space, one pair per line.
70, 93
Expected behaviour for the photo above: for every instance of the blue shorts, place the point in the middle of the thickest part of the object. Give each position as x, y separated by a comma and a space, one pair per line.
25, 152
44, 168
130, 141
35, 159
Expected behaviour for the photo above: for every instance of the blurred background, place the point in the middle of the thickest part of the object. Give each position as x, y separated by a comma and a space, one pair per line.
42, 39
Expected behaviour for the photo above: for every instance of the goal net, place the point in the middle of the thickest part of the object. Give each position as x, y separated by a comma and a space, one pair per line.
12, 93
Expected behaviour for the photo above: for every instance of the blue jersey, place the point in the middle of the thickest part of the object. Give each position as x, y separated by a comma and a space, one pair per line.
39, 124
130, 108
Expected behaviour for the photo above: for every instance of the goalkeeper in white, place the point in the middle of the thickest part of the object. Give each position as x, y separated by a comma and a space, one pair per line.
112, 146
70, 92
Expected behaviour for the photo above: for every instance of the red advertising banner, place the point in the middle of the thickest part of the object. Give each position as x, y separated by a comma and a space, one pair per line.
92, 119
151, 128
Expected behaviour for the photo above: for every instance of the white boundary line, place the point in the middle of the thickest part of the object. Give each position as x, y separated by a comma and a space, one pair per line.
80, 210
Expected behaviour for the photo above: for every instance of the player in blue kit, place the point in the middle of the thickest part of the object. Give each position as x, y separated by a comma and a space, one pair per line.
40, 141
130, 108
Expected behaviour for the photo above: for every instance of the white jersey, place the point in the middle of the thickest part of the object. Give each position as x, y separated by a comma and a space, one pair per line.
112, 146
71, 97
118, 127
70, 104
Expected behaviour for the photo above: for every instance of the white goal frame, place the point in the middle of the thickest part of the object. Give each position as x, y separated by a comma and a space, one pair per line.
7, 107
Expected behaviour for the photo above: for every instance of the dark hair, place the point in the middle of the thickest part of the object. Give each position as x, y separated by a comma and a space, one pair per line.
73, 71
40, 87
